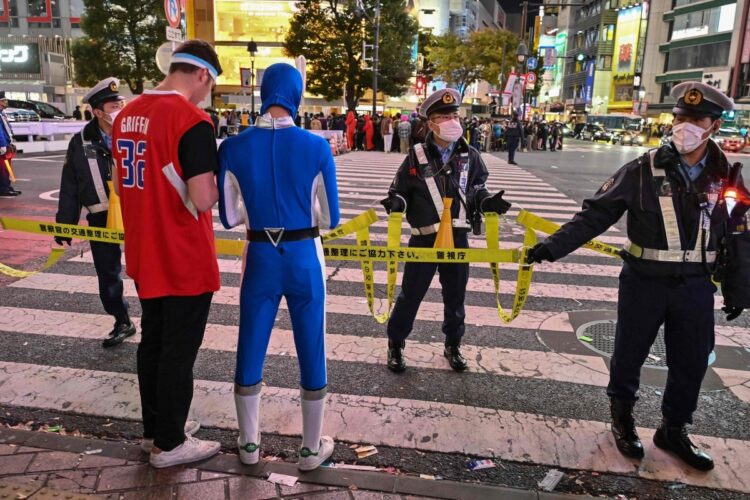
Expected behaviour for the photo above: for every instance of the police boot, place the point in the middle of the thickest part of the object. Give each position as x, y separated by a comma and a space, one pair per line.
396, 361
453, 353
123, 329
674, 438
623, 428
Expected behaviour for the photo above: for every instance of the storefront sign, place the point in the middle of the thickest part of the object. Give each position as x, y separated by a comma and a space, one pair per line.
588, 88
717, 79
19, 58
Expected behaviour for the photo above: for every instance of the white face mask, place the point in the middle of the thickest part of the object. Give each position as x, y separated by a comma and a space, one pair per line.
110, 117
450, 130
688, 137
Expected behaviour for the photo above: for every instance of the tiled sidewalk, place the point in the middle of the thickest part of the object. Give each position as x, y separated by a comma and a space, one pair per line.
41, 465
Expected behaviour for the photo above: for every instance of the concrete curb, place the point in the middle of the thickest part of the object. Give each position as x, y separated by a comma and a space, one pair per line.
229, 464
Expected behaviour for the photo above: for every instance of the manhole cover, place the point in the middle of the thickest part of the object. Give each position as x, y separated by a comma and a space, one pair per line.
602, 335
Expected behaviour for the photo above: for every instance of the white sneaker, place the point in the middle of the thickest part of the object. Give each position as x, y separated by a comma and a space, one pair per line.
191, 427
250, 452
309, 460
192, 450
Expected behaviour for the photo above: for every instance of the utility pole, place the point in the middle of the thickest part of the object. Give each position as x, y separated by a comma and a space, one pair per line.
375, 61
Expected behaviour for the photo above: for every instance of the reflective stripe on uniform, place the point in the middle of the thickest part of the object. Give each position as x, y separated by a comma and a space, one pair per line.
96, 178
668, 214
432, 186
692, 256
99, 207
424, 230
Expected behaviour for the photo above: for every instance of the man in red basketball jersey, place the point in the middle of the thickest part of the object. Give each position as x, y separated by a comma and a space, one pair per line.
165, 161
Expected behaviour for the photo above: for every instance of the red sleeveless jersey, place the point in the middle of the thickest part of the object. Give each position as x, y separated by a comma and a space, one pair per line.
169, 247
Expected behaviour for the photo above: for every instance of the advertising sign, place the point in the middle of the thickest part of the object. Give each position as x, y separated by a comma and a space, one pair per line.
19, 58
550, 58
588, 88
626, 50
628, 25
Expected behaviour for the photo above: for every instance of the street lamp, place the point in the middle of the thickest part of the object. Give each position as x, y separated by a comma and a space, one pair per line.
521, 54
252, 47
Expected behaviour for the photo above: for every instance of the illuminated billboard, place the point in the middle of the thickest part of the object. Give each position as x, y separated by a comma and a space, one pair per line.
626, 50
260, 20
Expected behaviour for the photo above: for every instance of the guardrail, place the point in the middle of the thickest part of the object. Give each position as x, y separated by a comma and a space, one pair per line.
45, 136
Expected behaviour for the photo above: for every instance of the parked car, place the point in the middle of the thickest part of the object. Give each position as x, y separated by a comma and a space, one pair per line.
567, 131
44, 110
20, 115
729, 139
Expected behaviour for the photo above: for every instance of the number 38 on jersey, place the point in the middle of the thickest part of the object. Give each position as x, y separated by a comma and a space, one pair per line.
132, 157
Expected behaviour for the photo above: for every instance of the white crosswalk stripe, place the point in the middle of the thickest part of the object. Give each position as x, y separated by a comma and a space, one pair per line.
468, 426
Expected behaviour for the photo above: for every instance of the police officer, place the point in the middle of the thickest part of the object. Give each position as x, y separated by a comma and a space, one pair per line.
7, 151
672, 196
444, 166
87, 168
514, 136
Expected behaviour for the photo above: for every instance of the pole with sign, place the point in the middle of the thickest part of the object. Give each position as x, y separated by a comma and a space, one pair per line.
173, 11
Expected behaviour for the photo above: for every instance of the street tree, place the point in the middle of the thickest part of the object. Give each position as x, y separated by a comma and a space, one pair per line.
330, 35
120, 39
482, 56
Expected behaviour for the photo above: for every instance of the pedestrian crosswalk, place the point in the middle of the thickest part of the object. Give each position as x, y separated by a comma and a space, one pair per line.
530, 395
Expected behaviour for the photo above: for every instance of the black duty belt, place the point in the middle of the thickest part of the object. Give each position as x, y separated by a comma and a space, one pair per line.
276, 235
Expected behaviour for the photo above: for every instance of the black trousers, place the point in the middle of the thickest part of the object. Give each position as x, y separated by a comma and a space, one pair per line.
171, 332
686, 308
512, 146
416, 282
107, 262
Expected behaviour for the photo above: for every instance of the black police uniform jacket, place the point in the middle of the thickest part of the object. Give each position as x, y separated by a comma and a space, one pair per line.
411, 185
635, 190
78, 187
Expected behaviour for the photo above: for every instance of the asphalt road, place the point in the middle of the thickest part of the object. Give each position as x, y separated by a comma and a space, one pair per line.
543, 389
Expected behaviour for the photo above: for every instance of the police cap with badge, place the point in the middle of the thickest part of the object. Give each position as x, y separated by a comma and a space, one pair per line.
107, 90
699, 100
442, 101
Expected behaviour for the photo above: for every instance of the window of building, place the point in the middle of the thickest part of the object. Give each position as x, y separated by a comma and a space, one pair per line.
699, 56
76, 10
666, 89
232, 58
610, 32
704, 22
679, 3
40, 11
9, 15
604, 63
261, 20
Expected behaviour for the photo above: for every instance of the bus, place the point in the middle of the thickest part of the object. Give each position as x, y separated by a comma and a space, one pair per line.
611, 122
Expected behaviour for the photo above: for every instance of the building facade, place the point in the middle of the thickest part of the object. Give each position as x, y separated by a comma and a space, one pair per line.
691, 40
35, 61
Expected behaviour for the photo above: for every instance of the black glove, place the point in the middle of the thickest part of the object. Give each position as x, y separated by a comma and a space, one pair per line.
393, 204
62, 239
539, 253
732, 312
496, 203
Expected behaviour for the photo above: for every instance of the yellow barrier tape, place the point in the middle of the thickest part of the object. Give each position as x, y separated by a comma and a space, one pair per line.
413, 254
394, 240
363, 251
532, 221
52, 259
525, 271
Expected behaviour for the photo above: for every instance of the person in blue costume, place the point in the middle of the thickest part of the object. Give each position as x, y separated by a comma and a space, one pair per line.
280, 181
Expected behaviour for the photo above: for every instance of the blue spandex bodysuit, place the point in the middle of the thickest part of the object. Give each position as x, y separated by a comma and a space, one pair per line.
275, 175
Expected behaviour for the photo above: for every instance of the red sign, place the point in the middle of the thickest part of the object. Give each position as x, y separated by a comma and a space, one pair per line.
173, 10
